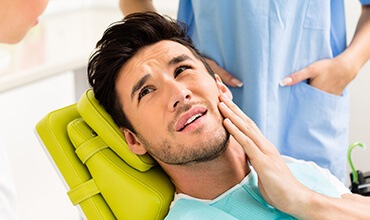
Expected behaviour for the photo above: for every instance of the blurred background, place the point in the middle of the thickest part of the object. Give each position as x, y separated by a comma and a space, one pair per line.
37, 82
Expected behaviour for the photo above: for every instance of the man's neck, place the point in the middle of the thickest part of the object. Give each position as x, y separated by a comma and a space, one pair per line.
207, 180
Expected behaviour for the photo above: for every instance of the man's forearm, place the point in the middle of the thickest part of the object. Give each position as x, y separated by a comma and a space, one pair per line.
131, 6
318, 206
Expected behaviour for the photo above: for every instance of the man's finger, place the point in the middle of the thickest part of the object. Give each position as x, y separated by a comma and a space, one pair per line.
249, 147
237, 111
246, 129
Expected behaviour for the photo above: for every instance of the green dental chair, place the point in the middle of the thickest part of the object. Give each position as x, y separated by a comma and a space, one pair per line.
102, 176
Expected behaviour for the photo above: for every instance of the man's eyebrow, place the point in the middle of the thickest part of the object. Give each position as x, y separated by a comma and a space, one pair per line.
142, 81
179, 59
139, 84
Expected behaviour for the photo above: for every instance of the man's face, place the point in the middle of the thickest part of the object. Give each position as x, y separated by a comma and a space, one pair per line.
171, 101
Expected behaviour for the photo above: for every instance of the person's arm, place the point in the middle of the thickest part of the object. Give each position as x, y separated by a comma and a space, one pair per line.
275, 181
358, 52
333, 75
350, 206
131, 6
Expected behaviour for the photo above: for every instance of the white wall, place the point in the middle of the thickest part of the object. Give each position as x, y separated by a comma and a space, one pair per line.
360, 98
40, 192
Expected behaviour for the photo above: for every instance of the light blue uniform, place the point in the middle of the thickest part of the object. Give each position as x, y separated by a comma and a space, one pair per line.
244, 200
263, 41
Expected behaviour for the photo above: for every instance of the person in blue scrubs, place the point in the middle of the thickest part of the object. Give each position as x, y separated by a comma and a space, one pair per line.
293, 60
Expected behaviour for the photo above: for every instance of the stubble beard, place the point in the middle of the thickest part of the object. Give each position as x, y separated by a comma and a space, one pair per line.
204, 150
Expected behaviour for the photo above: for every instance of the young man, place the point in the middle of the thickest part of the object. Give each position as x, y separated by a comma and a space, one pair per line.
169, 104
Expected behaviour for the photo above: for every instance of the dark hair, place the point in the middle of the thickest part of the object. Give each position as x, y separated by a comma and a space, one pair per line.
120, 42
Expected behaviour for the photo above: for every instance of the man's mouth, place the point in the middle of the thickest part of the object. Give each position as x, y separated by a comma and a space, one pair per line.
189, 118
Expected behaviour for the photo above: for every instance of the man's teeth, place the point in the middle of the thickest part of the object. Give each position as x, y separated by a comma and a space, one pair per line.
192, 118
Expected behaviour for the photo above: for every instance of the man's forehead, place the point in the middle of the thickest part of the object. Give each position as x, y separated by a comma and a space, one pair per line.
165, 48
165, 52
162, 52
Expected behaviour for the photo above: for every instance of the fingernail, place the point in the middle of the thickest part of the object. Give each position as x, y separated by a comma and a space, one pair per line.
236, 82
286, 81
227, 120
224, 96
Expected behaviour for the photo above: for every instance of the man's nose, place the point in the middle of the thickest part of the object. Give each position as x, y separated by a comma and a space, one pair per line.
180, 95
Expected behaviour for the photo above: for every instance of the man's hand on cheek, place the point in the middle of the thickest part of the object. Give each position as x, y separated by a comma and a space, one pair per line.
243, 129
276, 183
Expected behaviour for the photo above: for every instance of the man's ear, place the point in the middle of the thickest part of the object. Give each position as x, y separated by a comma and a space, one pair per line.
222, 87
133, 142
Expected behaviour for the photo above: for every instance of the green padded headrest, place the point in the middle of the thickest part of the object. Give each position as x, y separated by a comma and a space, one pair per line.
102, 123
129, 193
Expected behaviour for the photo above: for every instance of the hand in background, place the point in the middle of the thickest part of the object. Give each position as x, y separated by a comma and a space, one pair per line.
329, 75
226, 77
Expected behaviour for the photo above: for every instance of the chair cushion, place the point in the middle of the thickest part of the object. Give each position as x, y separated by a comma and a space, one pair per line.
98, 180
130, 194
52, 131
102, 123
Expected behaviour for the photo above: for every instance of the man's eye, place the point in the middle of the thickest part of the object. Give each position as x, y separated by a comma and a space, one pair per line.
145, 91
181, 69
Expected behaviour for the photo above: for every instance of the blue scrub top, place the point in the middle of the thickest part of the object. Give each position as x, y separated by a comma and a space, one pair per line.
261, 42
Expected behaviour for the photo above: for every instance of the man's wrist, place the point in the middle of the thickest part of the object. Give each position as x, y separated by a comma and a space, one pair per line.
310, 205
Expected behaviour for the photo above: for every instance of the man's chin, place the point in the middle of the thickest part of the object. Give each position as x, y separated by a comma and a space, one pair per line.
218, 150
